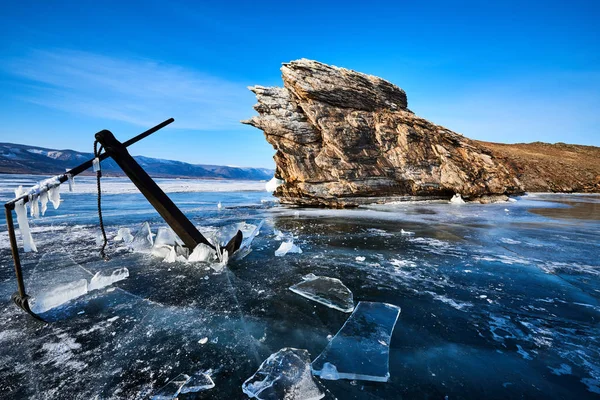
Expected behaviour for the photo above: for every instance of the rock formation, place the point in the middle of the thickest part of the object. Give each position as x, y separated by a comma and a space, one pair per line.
344, 138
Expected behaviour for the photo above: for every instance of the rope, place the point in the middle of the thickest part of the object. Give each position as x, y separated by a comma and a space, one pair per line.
98, 176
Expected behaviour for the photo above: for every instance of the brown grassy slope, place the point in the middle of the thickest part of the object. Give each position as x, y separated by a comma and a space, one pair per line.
544, 167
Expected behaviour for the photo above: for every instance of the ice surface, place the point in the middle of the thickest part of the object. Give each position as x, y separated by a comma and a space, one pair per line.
107, 278
59, 295
273, 184
21, 211
143, 240
198, 382
406, 233
287, 247
125, 235
360, 350
457, 199
172, 388
285, 375
327, 291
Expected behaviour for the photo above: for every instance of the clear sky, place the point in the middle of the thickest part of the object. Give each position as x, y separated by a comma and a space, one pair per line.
504, 71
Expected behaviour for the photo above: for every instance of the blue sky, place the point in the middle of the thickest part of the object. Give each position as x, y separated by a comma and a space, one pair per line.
510, 71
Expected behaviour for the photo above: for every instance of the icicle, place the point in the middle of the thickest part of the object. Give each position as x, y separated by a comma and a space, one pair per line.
21, 211
34, 206
54, 196
71, 182
44, 201
96, 164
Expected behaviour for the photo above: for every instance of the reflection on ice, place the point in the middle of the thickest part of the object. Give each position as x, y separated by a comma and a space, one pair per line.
327, 291
285, 375
360, 350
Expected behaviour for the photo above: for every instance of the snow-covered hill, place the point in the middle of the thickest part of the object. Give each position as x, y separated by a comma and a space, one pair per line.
23, 159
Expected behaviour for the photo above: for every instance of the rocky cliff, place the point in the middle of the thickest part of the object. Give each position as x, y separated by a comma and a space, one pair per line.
344, 138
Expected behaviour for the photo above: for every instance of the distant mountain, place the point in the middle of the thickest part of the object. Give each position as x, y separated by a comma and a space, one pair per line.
22, 159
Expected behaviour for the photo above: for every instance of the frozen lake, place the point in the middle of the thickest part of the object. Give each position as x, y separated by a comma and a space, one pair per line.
497, 301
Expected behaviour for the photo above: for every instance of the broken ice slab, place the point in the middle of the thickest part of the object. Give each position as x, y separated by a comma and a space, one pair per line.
198, 382
172, 388
142, 240
58, 295
360, 350
284, 375
107, 278
327, 291
125, 235
287, 247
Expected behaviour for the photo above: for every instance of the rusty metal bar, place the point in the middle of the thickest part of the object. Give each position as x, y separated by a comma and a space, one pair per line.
182, 226
15, 252
88, 164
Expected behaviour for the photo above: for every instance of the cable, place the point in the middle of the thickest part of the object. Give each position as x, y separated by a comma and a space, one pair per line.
98, 176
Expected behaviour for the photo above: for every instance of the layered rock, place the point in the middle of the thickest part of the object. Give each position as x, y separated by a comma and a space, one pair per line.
344, 138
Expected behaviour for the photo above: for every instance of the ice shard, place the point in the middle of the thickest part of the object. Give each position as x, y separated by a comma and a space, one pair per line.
107, 278
59, 295
125, 235
273, 184
457, 199
142, 240
360, 350
172, 388
287, 247
327, 291
198, 382
246, 246
202, 253
284, 375
166, 239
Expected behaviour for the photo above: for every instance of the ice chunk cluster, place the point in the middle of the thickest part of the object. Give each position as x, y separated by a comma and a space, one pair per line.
284, 375
327, 291
360, 350
170, 247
